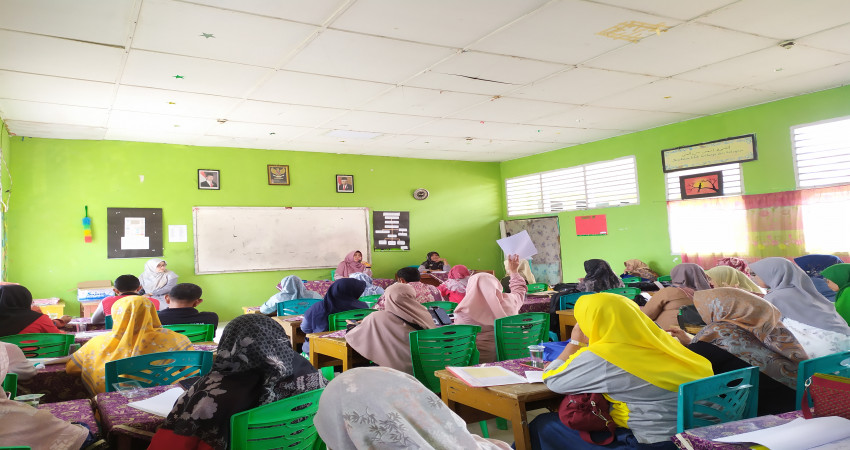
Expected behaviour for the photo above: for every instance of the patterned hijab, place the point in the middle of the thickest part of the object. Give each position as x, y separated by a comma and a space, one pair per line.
749, 328
458, 279
136, 330
382, 408
689, 277
599, 276
793, 292
727, 276
15, 312
371, 289
349, 265
255, 365
638, 268
735, 263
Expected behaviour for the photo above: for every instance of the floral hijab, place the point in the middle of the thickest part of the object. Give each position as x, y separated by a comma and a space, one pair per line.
638, 268
458, 278
255, 365
735, 263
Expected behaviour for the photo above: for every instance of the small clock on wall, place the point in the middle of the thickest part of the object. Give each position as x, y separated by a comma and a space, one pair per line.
709, 184
420, 194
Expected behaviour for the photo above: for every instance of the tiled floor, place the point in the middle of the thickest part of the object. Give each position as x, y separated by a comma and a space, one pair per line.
502, 435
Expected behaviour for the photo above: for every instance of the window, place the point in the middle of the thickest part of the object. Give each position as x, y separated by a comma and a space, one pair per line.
822, 153
732, 181
596, 185
709, 225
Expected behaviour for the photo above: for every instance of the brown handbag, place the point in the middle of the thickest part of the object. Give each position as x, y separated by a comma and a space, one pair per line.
585, 413
830, 395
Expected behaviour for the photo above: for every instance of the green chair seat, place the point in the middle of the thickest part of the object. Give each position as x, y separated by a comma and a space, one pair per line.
286, 423
515, 333
296, 306
448, 306
196, 332
42, 345
537, 287
722, 398
336, 321
158, 369
629, 292
667, 278
569, 301
107, 322
629, 280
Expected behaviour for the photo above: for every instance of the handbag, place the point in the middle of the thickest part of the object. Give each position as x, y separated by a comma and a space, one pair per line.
585, 413
830, 395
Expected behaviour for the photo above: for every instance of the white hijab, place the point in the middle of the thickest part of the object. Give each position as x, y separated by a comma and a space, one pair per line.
152, 280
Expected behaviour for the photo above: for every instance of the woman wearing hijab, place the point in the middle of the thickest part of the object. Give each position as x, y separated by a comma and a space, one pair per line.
524, 270
352, 263
136, 330
736, 263
16, 315
18, 363
382, 337
839, 276
638, 268
342, 296
599, 277
813, 265
727, 276
812, 318
157, 280
433, 263
636, 364
371, 289
382, 408
744, 330
291, 288
255, 365
485, 302
454, 289
663, 307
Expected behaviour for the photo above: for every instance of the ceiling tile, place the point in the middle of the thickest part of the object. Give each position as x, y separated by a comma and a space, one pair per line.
836, 39
680, 49
511, 110
178, 28
781, 19
51, 113
582, 85
159, 70
816, 80
63, 91
623, 119
283, 114
317, 90
668, 95
158, 122
730, 100
565, 32
256, 131
60, 57
95, 21
314, 12
457, 128
362, 57
376, 122
146, 135
423, 102
54, 130
670, 8
175, 103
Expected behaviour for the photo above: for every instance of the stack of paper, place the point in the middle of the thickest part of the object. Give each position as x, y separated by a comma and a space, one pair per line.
159, 405
486, 376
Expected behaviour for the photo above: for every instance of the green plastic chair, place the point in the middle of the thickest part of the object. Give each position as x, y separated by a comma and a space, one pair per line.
628, 280
835, 364
158, 369
107, 322
537, 287
569, 301
286, 423
434, 349
722, 398
296, 306
371, 300
629, 292
336, 321
41, 345
515, 333
667, 278
10, 385
448, 306
333, 274
196, 332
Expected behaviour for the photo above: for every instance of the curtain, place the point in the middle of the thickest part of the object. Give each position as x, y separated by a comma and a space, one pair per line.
546, 236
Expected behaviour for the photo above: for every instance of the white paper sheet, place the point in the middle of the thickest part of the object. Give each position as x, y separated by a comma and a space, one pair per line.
159, 405
518, 244
135, 243
177, 233
797, 434
534, 376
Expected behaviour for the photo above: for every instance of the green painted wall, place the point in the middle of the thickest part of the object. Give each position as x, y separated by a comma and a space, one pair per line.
55, 179
4, 182
641, 231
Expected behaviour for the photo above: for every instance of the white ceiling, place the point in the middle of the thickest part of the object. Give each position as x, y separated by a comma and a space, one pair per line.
473, 80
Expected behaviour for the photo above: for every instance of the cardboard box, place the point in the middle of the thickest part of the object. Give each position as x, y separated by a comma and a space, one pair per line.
89, 291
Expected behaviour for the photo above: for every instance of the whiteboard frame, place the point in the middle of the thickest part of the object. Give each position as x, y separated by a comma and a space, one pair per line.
367, 250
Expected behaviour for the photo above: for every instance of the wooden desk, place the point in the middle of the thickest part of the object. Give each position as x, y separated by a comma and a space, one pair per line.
427, 278
332, 351
566, 322
293, 330
511, 402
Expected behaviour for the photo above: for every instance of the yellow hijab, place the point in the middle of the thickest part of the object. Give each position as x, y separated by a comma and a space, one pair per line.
725, 276
621, 334
136, 331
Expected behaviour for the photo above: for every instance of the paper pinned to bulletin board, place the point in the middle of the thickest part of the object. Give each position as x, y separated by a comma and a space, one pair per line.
596, 225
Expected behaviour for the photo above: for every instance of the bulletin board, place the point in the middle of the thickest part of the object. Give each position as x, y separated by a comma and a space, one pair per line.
391, 230
134, 232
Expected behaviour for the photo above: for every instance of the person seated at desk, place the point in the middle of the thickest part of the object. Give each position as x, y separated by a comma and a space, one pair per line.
811, 317
638, 268
342, 296
17, 316
424, 292
727, 276
485, 302
433, 263
838, 278
124, 285
745, 330
599, 277
616, 350
382, 337
18, 363
663, 307
454, 289
352, 263
524, 270
182, 301
157, 280
379, 407
371, 289
136, 330
261, 368
291, 288
813, 265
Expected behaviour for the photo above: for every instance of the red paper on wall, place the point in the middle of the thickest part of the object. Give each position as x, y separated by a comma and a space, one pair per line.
591, 225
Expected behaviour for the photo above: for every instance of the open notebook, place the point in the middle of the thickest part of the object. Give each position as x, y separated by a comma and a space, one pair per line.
159, 405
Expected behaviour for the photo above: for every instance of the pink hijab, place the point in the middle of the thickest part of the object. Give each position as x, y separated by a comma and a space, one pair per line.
485, 302
458, 279
349, 265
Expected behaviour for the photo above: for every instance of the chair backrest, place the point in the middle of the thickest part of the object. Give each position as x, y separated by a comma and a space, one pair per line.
371, 300
286, 423
569, 301
722, 398
629, 292
515, 333
107, 322
296, 306
10, 385
627, 280
538, 287
41, 345
448, 306
158, 369
665, 278
336, 321
434, 349
836, 364
196, 332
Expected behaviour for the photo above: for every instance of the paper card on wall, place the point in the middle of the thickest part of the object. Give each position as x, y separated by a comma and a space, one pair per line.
596, 225
135, 243
134, 226
518, 244
177, 233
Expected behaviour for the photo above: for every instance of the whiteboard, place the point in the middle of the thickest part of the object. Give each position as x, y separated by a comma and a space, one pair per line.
253, 239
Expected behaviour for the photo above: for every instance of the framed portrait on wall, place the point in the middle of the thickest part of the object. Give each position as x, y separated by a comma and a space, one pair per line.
209, 179
345, 183
278, 175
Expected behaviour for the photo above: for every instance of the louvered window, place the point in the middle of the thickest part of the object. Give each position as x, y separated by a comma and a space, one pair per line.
822, 153
732, 181
597, 185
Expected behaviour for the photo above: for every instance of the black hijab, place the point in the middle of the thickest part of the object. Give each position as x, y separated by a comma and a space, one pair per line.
342, 296
15, 312
432, 265
599, 276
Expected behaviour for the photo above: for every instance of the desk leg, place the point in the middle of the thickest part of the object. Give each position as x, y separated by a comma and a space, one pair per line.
519, 423
566, 329
314, 357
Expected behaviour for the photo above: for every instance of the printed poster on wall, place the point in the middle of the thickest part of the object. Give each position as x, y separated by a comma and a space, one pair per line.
391, 230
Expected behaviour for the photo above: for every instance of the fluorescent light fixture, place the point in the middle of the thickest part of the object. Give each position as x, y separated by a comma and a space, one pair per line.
348, 134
